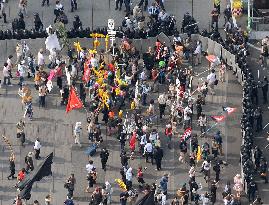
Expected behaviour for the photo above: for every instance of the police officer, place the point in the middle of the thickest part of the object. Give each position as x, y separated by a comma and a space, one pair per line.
252, 188
77, 23
264, 89
263, 170
258, 117
21, 22
38, 23
15, 25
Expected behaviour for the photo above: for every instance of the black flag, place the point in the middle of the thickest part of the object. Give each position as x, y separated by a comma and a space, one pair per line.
43, 170
147, 199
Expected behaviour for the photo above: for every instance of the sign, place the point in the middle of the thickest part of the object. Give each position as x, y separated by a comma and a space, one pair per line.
111, 24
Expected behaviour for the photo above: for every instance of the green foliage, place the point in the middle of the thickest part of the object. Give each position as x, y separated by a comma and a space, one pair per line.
62, 34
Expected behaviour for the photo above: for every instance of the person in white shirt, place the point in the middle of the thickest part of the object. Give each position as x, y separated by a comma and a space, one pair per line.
143, 141
162, 104
187, 117
206, 169
77, 133
37, 148
90, 166
10, 65
129, 178
148, 150
198, 53
40, 59
211, 79
6, 74
202, 121
22, 72
192, 172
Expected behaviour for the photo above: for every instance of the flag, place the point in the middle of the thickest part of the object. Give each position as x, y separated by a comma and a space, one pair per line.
121, 184
43, 170
186, 135
199, 154
229, 110
145, 199
218, 118
87, 73
73, 102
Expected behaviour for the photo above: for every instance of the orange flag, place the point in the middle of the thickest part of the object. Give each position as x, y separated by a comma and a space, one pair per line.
74, 101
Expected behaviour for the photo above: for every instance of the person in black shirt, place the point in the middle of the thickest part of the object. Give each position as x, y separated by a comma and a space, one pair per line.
104, 157
123, 198
158, 158
11, 167
38, 23
215, 19
21, 22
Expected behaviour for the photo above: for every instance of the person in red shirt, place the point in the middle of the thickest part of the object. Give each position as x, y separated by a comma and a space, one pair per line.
140, 178
21, 175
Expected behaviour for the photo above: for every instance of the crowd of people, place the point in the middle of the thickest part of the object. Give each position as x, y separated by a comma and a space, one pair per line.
132, 92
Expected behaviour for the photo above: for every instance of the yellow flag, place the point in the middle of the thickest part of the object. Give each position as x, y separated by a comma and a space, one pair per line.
199, 154
77, 46
121, 184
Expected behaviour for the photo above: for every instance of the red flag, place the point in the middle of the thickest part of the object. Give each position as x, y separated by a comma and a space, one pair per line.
186, 135
74, 101
218, 118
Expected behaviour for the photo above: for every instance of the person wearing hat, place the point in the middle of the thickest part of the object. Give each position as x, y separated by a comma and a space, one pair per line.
29, 161
77, 133
37, 148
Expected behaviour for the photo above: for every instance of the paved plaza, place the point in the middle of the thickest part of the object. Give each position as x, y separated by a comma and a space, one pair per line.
55, 128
